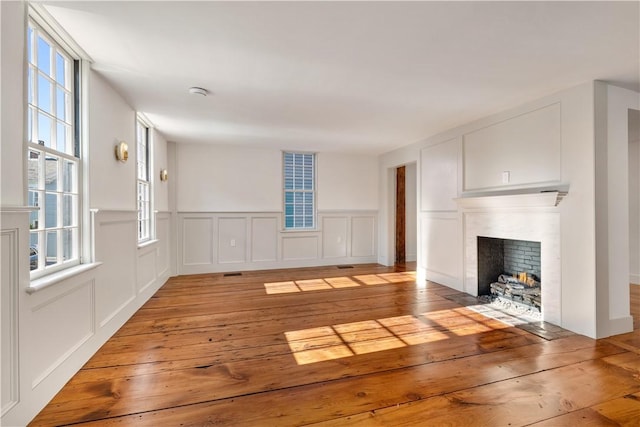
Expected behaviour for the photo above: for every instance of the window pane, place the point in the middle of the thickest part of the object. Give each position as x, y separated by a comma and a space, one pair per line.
51, 173
44, 56
33, 169
30, 125
52, 247
33, 250
68, 247
30, 85
44, 130
34, 216
29, 45
51, 210
68, 177
61, 70
68, 210
44, 94
61, 106
61, 136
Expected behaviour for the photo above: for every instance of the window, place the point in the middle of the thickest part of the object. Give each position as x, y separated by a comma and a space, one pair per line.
299, 190
53, 154
144, 184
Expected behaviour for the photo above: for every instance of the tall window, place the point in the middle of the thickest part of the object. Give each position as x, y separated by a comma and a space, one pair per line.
299, 190
144, 184
53, 154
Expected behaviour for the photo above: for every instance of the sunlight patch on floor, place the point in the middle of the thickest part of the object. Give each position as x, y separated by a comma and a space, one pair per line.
348, 339
292, 286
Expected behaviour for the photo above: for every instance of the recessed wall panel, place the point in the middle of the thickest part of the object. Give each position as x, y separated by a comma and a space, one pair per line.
442, 252
232, 240
162, 233
146, 268
9, 325
197, 245
116, 248
334, 237
264, 239
299, 247
522, 150
64, 323
439, 173
363, 236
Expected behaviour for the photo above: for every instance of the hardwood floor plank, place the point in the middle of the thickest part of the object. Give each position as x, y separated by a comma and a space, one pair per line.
361, 346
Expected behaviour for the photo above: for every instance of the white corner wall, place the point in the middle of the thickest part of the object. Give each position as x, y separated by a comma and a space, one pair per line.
229, 210
452, 162
12, 21
634, 212
49, 334
612, 105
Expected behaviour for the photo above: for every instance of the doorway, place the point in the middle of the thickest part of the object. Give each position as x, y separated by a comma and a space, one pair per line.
405, 214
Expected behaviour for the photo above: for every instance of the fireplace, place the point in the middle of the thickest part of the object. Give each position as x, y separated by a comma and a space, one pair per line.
528, 217
509, 272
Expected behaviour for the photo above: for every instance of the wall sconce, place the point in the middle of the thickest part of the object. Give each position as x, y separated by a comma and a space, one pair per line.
164, 175
122, 151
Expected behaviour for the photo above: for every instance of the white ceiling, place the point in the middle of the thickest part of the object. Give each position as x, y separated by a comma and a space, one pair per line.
349, 76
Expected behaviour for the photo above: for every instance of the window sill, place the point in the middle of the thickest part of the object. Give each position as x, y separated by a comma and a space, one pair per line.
146, 243
51, 279
300, 230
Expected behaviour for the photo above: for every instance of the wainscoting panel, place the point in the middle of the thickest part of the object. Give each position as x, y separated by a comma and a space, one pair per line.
299, 247
363, 236
71, 312
116, 246
232, 240
264, 239
163, 227
212, 242
334, 237
197, 241
442, 248
9, 347
147, 269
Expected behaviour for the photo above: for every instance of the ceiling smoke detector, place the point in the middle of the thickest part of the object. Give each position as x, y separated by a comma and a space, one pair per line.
198, 91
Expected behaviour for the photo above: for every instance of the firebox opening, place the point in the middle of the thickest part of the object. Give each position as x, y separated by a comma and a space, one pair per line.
509, 271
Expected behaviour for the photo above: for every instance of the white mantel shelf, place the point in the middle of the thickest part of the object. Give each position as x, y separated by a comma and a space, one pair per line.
545, 199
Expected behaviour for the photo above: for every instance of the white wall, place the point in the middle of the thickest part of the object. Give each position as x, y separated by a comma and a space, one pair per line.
229, 210
112, 183
50, 332
347, 182
612, 206
160, 161
228, 179
450, 163
634, 212
12, 103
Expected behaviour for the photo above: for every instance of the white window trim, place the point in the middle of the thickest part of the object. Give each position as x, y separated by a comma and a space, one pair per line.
140, 117
39, 15
315, 195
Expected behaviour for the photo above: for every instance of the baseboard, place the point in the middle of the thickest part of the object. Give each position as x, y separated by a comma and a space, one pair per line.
634, 279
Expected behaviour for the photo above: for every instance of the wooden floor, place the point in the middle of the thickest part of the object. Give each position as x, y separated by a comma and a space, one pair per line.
362, 346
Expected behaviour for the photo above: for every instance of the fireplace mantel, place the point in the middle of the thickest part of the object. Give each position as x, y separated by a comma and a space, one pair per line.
541, 199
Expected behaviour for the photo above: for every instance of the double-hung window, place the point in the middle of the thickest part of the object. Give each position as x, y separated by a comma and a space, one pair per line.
53, 153
299, 191
143, 182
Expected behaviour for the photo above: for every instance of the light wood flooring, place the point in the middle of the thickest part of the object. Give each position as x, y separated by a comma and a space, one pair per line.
361, 346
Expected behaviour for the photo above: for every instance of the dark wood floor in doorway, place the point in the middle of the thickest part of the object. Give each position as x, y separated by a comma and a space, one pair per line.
361, 346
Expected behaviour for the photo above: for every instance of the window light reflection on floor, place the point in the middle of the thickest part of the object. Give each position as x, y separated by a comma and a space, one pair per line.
292, 286
348, 339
